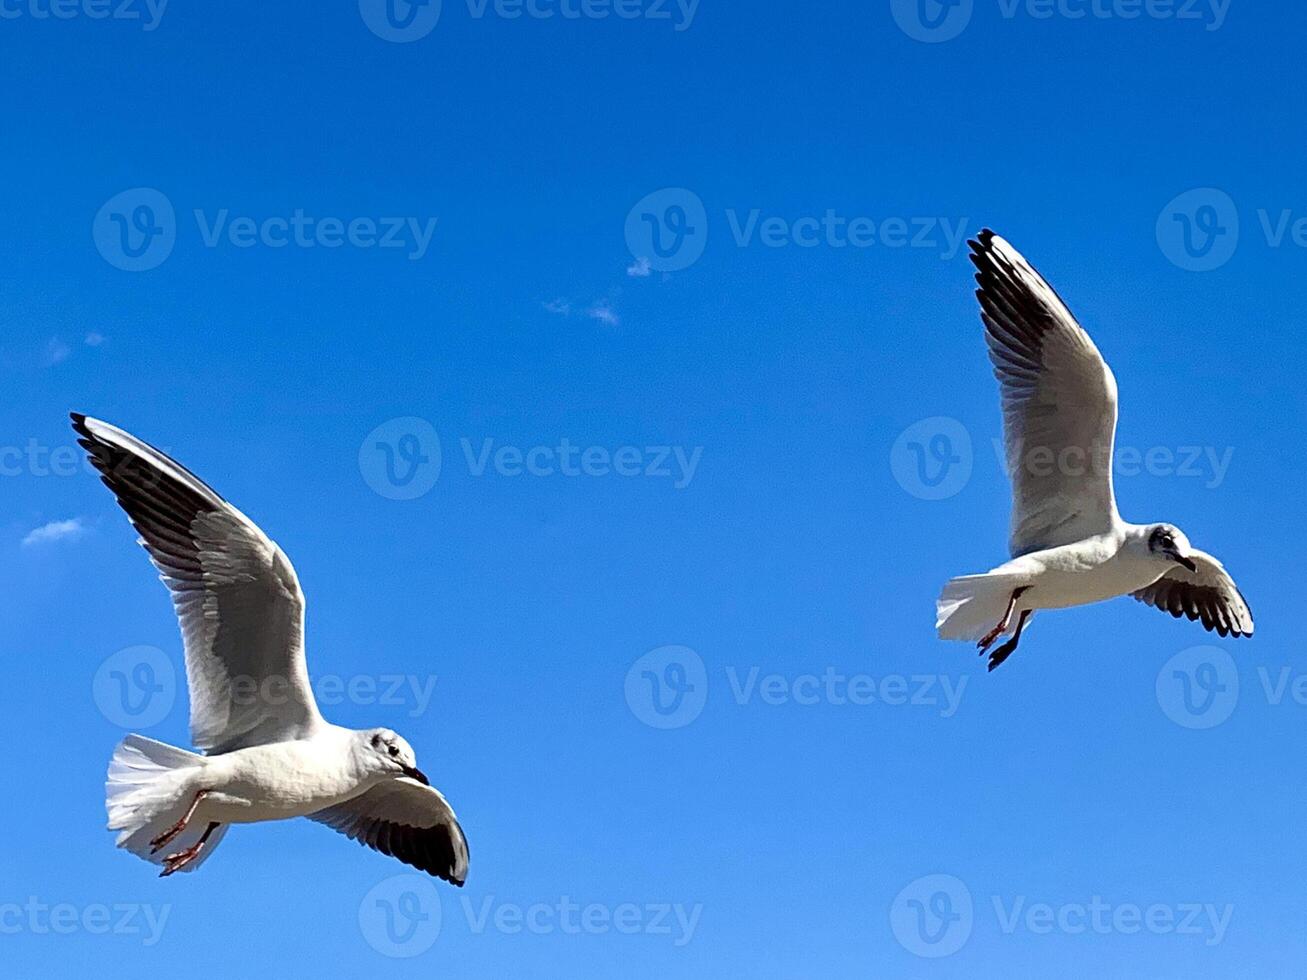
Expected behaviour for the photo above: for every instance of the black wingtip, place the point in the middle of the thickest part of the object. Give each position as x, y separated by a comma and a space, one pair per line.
981, 246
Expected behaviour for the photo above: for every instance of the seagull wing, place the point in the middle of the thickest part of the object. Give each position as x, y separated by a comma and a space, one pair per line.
407, 820
1208, 594
236, 595
1059, 403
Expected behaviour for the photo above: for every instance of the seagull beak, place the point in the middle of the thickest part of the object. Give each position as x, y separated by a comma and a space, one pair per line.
1187, 563
413, 773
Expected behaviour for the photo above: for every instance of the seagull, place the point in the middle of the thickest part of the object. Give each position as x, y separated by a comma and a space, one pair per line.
268, 754
1068, 545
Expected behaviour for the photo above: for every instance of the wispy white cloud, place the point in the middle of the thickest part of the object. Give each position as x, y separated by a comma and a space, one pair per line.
56, 352
561, 307
604, 314
55, 531
640, 269
94, 339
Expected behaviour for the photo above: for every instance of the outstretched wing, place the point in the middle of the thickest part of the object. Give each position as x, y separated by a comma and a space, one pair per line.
1208, 594
1059, 403
236, 595
404, 819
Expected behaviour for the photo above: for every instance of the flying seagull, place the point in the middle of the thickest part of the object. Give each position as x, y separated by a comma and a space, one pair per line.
268, 753
1069, 545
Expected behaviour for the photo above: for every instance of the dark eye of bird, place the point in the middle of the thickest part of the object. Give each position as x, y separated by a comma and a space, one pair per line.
394, 751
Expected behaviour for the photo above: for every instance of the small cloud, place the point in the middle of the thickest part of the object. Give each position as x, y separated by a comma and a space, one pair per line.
55, 531
604, 314
640, 269
56, 352
94, 339
559, 306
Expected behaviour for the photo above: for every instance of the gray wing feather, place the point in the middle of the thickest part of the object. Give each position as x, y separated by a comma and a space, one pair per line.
405, 820
1208, 595
237, 598
1059, 403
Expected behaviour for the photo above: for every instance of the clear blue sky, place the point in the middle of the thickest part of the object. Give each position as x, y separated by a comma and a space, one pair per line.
785, 833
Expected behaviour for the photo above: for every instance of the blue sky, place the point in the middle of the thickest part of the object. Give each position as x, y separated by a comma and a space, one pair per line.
740, 486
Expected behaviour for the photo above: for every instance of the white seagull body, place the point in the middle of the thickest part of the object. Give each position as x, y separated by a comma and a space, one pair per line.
1069, 545
268, 753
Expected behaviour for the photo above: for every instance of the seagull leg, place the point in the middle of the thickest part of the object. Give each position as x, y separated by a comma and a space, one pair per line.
175, 862
1005, 651
158, 843
1003, 623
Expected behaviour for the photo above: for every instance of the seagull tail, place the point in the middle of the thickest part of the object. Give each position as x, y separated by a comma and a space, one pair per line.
149, 788
972, 605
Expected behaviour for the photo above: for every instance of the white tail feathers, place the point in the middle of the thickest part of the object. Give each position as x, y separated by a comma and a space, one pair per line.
972, 605
150, 787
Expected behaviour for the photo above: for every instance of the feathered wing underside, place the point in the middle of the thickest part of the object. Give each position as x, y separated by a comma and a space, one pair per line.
406, 820
237, 597
1208, 595
1059, 403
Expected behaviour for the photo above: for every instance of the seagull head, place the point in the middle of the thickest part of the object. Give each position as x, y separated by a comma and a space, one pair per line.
389, 754
1167, 542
